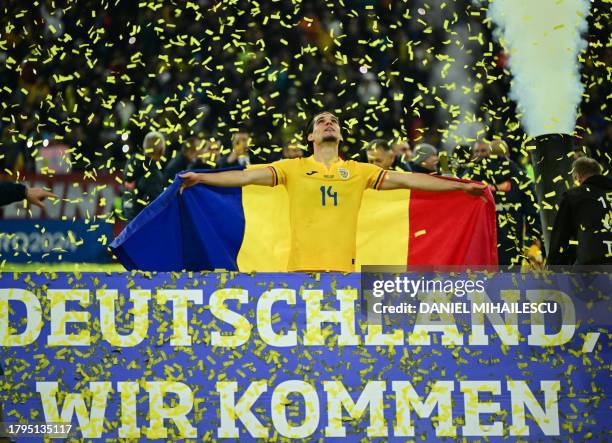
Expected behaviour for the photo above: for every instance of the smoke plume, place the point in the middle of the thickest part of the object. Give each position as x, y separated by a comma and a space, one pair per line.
464, 127
543, 39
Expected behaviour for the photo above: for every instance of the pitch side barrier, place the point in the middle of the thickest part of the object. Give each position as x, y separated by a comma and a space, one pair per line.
380, 355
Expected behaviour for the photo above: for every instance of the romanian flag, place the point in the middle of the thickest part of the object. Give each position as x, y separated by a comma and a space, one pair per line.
247, 229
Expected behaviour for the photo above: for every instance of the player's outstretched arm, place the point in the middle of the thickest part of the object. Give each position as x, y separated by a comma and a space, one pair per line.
259, 176
425, 182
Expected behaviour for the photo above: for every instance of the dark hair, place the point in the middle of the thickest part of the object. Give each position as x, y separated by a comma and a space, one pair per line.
310, 128
586, 167
379, 143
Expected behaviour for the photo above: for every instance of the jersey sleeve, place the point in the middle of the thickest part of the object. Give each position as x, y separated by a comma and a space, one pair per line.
280, 170
374, 175
11, 192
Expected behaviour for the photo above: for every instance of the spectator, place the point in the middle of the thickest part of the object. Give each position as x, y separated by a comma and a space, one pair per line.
582, 233
481, 149
239, 155
143, 177
517, 207
386, 85
189, 157
402, 150
380, 154
211, 157
518, 223
242, 154
425, 159
292, 151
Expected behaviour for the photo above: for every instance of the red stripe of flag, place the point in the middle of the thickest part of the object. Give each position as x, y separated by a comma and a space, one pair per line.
451, 229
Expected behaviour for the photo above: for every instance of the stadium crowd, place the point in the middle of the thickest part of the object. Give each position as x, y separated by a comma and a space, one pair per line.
99, 75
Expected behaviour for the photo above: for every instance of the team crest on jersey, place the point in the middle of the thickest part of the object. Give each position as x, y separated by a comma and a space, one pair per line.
343, 173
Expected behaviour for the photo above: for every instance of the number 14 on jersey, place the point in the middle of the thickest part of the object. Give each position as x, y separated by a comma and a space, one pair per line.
327, 194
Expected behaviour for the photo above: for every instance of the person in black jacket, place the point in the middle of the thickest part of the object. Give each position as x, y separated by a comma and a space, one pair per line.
14, 192
582, 233
518, 224
516, 196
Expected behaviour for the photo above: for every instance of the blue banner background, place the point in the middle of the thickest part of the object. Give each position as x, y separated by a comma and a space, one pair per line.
23, 241
584, 403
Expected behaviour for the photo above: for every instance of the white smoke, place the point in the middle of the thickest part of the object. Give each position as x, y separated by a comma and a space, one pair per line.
543, 39
465, 127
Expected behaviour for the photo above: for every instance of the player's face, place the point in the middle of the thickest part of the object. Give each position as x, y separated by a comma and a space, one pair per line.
326, 129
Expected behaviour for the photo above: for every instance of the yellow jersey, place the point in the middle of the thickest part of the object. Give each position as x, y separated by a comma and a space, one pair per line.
323, 208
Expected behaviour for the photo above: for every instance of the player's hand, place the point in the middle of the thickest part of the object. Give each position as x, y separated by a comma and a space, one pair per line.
36, 196
475, 189
189, 179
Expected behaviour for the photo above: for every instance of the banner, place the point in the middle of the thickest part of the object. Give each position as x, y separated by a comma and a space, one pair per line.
263, 356
23, 241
